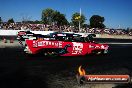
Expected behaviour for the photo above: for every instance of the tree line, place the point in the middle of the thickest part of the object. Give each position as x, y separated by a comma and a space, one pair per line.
54, 17
50, 16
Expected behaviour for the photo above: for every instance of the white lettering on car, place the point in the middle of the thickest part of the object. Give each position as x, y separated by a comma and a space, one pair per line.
34, 44
47, 43
60, 44
77, 48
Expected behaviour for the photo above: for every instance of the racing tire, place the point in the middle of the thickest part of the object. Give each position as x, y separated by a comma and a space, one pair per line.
105, 52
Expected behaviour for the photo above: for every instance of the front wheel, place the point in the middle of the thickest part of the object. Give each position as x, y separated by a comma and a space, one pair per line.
105, 52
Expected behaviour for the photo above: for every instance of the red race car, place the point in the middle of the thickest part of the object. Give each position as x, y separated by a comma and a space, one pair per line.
64, 44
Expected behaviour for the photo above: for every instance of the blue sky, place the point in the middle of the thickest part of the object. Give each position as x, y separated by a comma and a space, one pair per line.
116, 12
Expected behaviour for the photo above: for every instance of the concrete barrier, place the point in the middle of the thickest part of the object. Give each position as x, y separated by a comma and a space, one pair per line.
15, 32
9, 32
114, 36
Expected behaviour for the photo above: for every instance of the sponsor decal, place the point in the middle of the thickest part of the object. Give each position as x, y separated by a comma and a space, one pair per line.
77, 48
47, 43
61, 34
35, 44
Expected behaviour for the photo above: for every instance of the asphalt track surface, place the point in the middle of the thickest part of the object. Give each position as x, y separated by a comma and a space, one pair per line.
18, 70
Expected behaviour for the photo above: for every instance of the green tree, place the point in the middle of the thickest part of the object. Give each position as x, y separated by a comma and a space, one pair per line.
37, 22
47, 15
59, 19
96, 21
76, 18
85, 26
0, 20
11, 20
50, 16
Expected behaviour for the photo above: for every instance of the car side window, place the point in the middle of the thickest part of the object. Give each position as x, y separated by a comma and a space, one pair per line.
86, 39
78, 39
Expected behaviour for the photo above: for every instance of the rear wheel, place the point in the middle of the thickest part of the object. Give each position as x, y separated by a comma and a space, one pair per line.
50, 53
